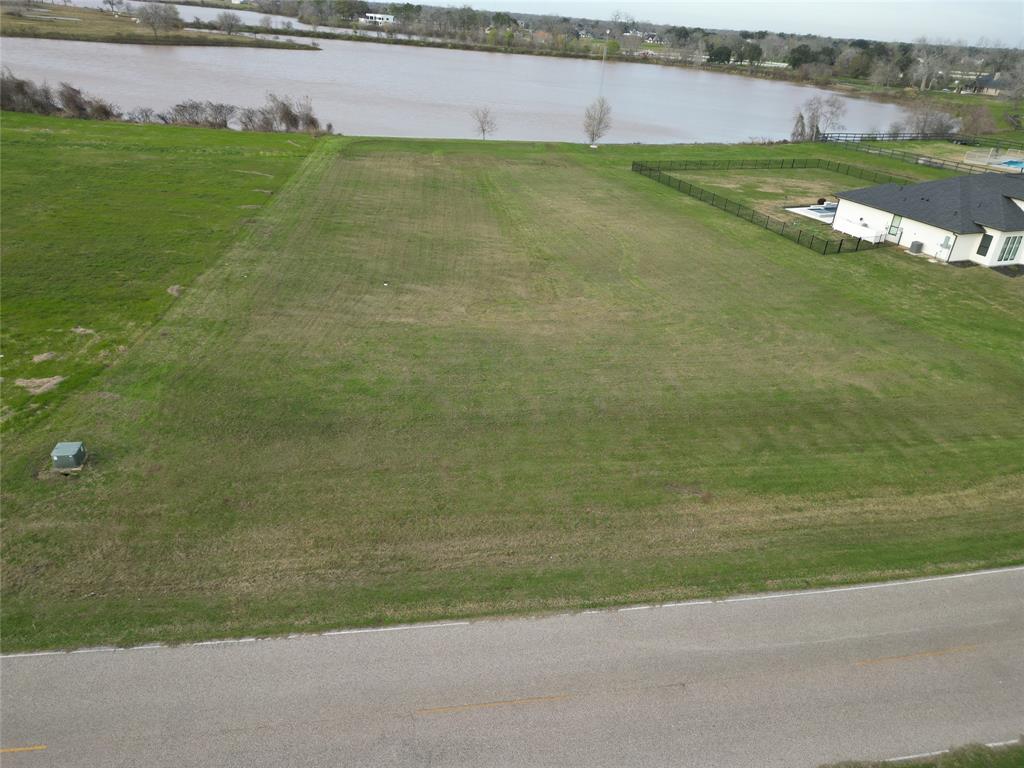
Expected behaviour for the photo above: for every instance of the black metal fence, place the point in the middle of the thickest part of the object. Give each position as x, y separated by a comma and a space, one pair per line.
794, 162
931, 162
795, 233
956, 138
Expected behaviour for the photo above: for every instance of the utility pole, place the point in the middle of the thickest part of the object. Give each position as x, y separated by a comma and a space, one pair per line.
604, 59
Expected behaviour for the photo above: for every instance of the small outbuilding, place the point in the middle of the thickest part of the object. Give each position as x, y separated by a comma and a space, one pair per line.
68, 457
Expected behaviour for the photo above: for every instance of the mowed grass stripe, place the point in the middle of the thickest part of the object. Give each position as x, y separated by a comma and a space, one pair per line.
100, 221
577, 388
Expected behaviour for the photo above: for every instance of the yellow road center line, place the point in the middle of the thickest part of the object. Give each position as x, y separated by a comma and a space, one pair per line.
489, 704
921, 655
36, 748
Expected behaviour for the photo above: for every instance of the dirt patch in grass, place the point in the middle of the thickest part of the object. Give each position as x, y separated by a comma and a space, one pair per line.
175, 290
42, 357
82, 331
39, 386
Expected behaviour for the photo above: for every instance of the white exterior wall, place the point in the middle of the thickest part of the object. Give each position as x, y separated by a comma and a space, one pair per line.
931, 238
864, 221
966, 248
991, 259
860, 220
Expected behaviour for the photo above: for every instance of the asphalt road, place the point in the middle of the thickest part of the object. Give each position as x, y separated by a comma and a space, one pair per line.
771, 680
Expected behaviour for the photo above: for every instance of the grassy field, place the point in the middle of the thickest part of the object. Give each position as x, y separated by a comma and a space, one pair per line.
121, 214
441, 378
70, 23
771, 192
944, 150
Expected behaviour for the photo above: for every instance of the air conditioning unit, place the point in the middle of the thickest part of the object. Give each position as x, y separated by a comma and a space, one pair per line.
916, 246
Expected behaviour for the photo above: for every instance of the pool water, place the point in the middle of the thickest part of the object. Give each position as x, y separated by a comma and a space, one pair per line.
1013, 163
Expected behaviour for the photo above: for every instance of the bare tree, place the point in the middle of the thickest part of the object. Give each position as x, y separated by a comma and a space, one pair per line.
799, 132
158, 16
1012, 82
885, 73
140, 115
927, 118
485, 121
218, 115
256, 119
977, 120
929, 61
113, 5
823, 115
228, 22
597, 120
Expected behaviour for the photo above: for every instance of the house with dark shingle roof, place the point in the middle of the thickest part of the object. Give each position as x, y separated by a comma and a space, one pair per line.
967, 218
990, 85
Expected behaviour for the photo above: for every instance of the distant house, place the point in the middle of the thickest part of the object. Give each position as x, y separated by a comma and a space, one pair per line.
378, 19
990, 85
967, 218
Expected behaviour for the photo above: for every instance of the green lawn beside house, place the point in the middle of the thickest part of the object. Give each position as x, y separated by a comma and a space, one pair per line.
422, 379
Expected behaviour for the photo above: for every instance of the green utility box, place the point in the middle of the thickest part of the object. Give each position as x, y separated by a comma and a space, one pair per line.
68, 457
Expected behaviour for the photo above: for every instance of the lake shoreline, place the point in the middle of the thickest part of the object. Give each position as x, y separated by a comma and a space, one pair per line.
420, 91
143, 39
258, 37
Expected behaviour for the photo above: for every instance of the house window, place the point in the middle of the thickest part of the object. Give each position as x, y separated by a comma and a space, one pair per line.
894, 228
986, 241
1010, 247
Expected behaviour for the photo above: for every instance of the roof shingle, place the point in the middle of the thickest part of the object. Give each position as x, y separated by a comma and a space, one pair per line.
962, 204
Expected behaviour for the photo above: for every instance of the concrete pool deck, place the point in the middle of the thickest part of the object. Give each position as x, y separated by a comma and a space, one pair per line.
817, 212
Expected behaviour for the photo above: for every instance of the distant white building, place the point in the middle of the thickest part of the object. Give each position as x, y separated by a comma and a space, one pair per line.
966, 218
379, 19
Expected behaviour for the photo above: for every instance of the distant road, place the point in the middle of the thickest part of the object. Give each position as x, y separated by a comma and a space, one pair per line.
771, 680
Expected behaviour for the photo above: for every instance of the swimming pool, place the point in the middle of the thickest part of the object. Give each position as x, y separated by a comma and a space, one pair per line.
1013, 163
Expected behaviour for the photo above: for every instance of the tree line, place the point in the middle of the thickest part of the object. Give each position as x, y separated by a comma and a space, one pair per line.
923, 64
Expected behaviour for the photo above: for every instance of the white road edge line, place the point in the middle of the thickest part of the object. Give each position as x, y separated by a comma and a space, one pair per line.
827, 590
440, 625
235, 640
992, 745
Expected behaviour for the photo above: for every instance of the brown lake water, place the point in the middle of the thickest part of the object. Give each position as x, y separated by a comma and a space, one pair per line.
393, 90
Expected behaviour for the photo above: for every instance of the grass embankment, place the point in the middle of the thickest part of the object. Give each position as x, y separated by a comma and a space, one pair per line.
444, 378
90, 25
974, 756
99, 221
